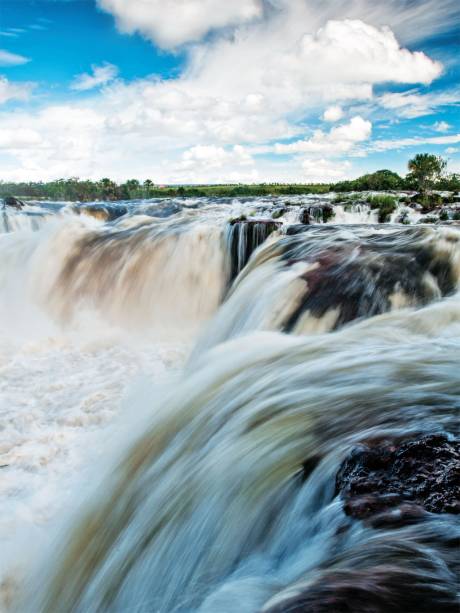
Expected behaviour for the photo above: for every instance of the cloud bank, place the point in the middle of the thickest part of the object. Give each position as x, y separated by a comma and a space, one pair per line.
249, 91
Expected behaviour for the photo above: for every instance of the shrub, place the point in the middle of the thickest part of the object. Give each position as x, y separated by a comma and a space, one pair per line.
385, 204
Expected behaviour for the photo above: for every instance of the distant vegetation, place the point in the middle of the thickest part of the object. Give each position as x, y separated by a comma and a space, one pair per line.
426, 172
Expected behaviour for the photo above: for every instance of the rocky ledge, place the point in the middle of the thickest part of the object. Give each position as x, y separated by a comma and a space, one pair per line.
422, 472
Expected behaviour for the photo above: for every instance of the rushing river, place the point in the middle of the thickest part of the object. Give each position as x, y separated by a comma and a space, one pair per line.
180, 384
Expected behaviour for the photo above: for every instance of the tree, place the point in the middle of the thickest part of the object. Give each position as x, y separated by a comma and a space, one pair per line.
148, 184
425, 169
108, 189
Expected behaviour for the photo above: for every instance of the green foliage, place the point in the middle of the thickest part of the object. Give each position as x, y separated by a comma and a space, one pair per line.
449, 183
429, 219
382, 180
385, 204
107, 190
444, 216
425, 169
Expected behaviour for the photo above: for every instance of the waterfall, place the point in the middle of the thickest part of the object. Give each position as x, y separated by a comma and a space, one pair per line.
243, 237
325, 277
318, 363
208, 511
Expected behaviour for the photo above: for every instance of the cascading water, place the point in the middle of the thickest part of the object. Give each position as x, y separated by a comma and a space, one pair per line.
242, 488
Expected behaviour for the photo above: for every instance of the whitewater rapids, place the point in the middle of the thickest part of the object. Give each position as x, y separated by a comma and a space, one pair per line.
180, 383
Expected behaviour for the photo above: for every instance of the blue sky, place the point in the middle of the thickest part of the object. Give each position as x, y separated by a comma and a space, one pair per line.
209, 91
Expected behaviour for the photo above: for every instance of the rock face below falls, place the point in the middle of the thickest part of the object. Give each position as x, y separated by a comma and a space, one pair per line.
422, 471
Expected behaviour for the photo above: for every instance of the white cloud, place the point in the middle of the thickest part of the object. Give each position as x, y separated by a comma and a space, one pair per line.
338, 141
451, 150
12, 59
250, 89
174, 22
412, 104
170, 23
14, 91
101, 75
333, 113
397, 143
441, 126
19, 138
210, 163
323, 171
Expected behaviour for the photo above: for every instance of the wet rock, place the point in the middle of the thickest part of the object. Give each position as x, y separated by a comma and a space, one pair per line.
279, 212
423, 471
328, 212
13, 202
103, 213
304, 217
381, 589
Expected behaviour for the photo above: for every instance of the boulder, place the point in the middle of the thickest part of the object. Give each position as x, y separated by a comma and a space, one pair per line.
421, 471
13, 202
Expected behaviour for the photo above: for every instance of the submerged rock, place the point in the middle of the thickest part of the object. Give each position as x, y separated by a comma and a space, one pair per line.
422, 471
102, 212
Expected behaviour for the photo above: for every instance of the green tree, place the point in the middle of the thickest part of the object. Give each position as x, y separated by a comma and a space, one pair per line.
108, 189
425, 169
148, 185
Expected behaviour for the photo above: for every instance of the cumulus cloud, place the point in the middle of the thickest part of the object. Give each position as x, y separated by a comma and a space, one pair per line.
174, 22
101, 75
323, 170
170, 23
14, 91
12, 59
210, 163
250, 89
19, 138
337, 141
333, 113
451, 150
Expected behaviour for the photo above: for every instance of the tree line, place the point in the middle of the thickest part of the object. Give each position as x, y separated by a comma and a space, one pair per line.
426, 172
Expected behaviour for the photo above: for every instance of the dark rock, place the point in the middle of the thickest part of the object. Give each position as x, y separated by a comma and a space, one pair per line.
13, 202
361, 279
423, 471
304, 217
385, 588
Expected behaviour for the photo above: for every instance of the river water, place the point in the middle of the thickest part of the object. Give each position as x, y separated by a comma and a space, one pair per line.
169, 368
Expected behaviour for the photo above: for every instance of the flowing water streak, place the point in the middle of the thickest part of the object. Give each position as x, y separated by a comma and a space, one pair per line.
210, 511
138, 274
324, 277
208, 506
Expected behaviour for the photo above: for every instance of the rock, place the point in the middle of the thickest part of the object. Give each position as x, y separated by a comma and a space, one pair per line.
380, 586
102, 212
316, 214
304, 217
420, 471
13, 202
279, 212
